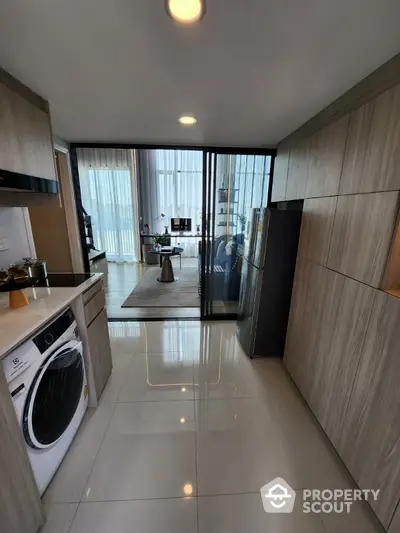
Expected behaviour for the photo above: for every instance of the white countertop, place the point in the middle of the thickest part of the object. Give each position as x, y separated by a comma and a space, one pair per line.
16, 325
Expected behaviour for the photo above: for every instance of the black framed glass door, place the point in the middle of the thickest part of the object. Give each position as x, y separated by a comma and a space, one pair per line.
234, 183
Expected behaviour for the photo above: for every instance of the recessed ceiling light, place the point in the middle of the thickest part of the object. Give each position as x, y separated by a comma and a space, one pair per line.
187, 120
185, 11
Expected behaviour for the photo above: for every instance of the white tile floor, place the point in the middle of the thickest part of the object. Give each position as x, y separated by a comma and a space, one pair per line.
187, 432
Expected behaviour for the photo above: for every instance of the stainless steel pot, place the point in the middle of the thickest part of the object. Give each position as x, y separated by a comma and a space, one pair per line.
36, 268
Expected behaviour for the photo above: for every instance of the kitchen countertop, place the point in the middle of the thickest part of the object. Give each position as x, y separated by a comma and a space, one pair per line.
16, 325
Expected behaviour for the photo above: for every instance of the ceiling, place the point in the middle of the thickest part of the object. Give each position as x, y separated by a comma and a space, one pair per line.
251, 71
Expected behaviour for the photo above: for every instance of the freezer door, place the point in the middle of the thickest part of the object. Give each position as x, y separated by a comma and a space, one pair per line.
256, 237
248, 306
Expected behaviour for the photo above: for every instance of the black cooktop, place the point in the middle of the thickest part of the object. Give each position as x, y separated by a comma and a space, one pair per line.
64, 280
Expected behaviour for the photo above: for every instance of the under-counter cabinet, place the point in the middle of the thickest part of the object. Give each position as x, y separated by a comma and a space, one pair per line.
20, 505
98, 337
100, 351
370, 442
26, 144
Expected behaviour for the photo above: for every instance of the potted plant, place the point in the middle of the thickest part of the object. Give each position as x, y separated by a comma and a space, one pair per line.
160, 240
242, 219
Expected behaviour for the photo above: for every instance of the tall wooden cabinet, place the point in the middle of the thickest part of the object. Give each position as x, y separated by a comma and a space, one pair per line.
370, 440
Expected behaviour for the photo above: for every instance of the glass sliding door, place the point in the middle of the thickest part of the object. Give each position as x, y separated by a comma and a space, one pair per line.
233, 184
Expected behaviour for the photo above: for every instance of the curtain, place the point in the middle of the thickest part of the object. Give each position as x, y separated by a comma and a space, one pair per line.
109, 196
170, 183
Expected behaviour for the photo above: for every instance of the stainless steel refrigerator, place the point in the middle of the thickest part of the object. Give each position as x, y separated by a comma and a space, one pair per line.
267, 278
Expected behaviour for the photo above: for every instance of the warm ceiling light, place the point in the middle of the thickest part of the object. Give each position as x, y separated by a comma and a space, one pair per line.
187, 120
185, 11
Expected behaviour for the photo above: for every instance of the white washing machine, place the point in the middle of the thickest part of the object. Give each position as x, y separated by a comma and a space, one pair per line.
47, 380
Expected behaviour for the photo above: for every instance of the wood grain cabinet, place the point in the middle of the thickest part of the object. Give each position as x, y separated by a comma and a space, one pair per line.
100, 351
298, 169
26, 144
327, 326
326, 159
372, 156
370, 439
310, 284
345, 313
20, 505
281, 168
362, 234
316, 229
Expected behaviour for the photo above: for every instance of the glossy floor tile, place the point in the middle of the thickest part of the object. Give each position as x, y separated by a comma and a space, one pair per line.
241, 513
148, 452
187, 432
159, 377
70, 480
242, 444
147, 516
59, 517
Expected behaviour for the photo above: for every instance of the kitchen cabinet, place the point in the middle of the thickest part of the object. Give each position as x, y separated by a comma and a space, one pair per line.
26, 144
281, 168
304, 324
298, 169
20, 505
316, 229
372, 156
362, 234
370, 442
100, 351
345, 313
326, 159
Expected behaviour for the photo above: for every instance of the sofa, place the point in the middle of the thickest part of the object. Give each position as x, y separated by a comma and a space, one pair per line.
227, 266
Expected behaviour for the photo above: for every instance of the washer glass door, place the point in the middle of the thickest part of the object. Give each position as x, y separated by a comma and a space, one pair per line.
54, 396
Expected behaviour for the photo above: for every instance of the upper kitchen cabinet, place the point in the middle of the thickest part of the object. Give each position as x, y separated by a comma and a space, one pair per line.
298, 168
26, 145
281, 168
369, 443
326, 159
362, 234
316, 229
372, 156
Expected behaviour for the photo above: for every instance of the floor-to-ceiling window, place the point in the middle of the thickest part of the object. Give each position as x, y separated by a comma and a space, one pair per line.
170, 183
108, 193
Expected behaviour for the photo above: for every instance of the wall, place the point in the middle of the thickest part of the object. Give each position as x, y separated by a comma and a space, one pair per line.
15, 228
343, 335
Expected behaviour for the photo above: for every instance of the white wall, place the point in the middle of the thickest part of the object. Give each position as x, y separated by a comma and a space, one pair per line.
16, 235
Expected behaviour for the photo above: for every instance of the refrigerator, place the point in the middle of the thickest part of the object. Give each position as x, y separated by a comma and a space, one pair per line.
269, 260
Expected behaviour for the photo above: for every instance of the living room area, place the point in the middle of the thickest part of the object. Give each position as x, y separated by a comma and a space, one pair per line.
167, 226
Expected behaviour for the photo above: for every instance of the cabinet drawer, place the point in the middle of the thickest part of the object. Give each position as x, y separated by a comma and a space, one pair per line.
94, 306
90, 293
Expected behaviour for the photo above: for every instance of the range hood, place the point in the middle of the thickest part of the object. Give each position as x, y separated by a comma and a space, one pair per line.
14, 182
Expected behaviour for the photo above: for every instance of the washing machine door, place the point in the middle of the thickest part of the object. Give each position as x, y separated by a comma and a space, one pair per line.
54, 396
